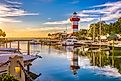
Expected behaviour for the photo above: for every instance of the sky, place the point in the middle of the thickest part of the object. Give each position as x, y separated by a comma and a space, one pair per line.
37, 18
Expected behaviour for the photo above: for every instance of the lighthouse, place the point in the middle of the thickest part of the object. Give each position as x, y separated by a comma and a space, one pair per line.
75, 20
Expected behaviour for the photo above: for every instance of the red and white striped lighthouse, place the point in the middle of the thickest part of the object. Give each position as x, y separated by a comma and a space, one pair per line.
75, 19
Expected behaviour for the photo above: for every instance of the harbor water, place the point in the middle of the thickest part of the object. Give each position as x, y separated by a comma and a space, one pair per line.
63, 64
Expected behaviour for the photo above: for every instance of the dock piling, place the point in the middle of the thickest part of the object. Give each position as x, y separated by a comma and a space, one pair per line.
28, 48
18, 45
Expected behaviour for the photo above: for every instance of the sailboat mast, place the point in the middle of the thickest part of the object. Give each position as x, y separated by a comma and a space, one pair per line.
100, 32
100, 29
94, 32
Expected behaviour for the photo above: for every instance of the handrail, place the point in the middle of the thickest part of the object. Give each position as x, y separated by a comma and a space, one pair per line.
26, 73
4, 63
3, 71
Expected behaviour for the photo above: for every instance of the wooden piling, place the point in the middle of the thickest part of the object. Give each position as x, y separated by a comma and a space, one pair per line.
10, 44
28, 48
18, 45
6, 43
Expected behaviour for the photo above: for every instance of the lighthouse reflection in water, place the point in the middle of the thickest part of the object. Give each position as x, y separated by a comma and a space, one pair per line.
74, 59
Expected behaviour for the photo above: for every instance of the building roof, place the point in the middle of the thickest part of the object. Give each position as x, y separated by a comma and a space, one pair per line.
5, 57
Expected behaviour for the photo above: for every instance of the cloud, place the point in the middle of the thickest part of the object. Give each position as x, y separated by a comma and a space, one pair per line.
8, 20
12, 12
75, 2
49, 18
86, 19
7, 11
46, 29
111, 16
47, 1
108, 11
109, 4
11, 2
83, 15
56, 22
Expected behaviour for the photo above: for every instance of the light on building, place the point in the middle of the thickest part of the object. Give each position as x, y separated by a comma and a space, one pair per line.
17, 69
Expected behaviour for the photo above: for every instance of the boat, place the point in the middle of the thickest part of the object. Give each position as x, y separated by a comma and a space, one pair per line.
70, 41
35, 41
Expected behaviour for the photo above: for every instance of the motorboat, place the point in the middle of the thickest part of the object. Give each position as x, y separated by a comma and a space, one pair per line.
35, 41
70, 41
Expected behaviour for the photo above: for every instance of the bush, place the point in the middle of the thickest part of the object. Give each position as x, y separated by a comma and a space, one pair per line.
7, 77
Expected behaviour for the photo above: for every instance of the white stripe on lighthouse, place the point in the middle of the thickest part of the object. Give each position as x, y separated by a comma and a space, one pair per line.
75, 23
75, 30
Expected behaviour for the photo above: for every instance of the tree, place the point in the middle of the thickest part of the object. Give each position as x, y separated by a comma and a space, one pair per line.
105, 28
49, 34
82, 33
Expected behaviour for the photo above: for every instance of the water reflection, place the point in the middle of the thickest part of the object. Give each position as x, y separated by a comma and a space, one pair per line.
61, 63
101, 62
106, 63
74, 65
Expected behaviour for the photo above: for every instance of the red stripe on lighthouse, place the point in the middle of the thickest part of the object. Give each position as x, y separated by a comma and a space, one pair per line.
75, 19
75, 26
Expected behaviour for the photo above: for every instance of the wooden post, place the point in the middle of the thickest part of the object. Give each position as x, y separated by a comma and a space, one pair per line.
94, 32
28, 48
6, 43
113, 54
41, 43
18, 45
10, 44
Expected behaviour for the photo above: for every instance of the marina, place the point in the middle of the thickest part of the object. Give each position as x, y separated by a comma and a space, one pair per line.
60, 40
63, 62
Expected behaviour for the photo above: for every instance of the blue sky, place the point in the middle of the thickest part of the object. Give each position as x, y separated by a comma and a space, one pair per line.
58, 9
44, 16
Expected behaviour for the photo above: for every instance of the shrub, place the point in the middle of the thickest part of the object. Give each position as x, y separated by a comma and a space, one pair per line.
7, 77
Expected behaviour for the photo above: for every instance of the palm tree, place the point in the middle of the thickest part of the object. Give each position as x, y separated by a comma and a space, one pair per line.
3, 34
